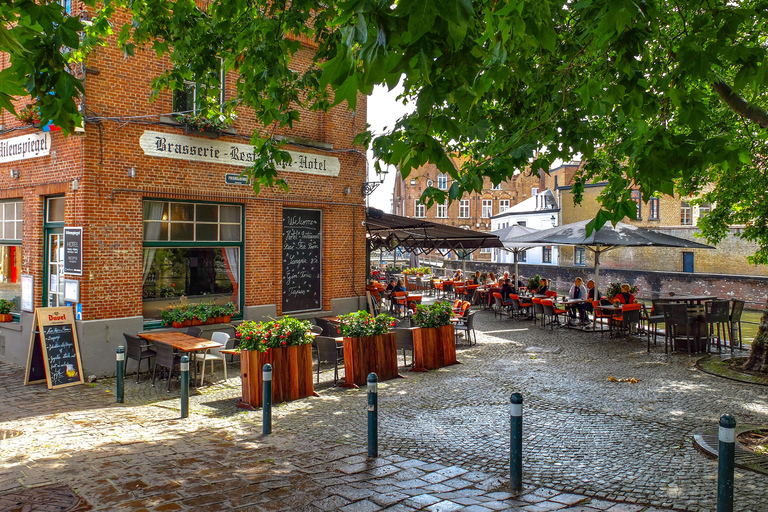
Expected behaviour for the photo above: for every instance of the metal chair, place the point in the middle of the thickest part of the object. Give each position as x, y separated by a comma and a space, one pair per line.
676, 316
735, 320
215, 354
331, 352
538, 309
551, 312
404, 338
167, 358
138, 349
630, 317
467, 324
652, 320
717, 314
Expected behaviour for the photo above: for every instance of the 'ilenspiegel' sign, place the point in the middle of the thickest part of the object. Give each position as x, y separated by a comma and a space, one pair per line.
25, 146
197, 149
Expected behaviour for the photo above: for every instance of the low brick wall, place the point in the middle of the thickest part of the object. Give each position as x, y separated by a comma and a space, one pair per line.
652, 284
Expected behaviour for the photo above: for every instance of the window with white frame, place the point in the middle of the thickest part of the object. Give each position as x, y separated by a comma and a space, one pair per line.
546, 254
637, 198
442, 211
194, 96
534, 191
523, 256
442, 181
496, 187
704, 209
419, 210
487, 208
485, 250
579, 256
503, 205
686, 219
464, 209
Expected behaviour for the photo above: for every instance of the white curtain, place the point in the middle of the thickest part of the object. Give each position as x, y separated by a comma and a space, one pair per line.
154, 211
232, 261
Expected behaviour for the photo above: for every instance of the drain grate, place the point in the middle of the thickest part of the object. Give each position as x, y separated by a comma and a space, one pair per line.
7, 434
49, 498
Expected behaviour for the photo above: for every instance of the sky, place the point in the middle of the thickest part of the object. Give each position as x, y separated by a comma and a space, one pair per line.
383, 111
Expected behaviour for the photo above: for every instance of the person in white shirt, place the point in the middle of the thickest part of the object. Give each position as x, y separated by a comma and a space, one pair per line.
578, 291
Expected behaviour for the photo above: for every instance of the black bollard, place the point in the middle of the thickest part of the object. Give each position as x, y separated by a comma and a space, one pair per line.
516, 443
267, 396
184, 367
373, 415
725, 460
120, 372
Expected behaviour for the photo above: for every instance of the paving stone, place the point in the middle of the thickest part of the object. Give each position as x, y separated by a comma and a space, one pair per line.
421, 500
568, 499
361, 506
444, 506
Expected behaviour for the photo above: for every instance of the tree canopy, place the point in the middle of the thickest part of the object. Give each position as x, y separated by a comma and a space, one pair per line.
661, 96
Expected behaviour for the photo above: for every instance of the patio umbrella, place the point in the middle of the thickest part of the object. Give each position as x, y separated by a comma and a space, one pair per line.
603, 240
510, 233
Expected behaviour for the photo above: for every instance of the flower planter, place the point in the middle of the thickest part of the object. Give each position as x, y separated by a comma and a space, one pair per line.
189, 130
291, 374
6, 318
369, 354
215, 320
433, 347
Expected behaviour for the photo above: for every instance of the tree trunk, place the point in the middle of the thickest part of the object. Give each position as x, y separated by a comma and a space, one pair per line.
757, 361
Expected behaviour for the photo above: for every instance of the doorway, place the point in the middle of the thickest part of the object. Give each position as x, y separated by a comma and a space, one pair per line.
53, 264
688, 262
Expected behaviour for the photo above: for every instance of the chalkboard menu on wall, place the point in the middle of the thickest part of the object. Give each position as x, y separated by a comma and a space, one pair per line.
54, 355
302, 260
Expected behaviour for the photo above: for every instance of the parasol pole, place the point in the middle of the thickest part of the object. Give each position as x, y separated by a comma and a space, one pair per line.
597, 274
517, 274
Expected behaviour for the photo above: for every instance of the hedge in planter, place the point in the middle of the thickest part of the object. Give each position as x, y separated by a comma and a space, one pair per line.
368, 347
434, 341
286, 344
202, 313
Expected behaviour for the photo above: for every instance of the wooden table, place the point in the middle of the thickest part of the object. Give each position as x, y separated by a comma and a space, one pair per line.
184, 343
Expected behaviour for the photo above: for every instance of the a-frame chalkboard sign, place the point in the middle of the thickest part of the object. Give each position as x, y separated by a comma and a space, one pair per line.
54, 354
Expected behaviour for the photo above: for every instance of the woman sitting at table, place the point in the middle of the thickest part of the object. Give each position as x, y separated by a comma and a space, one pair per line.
397, 288
476, 278
544, 288
491, 279
624, 296
578, 291
457, 275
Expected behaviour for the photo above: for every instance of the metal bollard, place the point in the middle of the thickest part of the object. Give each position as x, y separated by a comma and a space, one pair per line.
727, 436
516, 443
184, 367
267, 396
120, 372
373, 415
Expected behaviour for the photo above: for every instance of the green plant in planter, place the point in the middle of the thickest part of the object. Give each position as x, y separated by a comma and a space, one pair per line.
5, 307
360, 324
435, 315
615, 288
279, 333
534, 283
229, 309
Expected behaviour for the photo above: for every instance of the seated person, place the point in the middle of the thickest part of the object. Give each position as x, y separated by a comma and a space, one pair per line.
624, 296
397, 288
391, 286
591, 296
544, 288
476, 278
506, 290
517, 282
491, 279
578, 291
457, 275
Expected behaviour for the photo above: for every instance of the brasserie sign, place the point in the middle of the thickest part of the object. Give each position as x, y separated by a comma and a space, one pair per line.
24, 147
197, 149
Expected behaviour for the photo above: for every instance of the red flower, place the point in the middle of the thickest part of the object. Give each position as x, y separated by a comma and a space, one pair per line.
247, 337
282, 336
283, 343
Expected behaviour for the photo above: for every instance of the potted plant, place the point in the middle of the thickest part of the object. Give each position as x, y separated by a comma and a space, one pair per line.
5, 311
208, 126
286, 344
203, 313
534, 283
30, 114
369, 346
434, 342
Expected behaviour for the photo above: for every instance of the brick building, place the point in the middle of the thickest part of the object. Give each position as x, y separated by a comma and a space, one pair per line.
165, 216
470, 212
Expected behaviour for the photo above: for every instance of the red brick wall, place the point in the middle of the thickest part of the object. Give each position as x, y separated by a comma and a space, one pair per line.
108, 203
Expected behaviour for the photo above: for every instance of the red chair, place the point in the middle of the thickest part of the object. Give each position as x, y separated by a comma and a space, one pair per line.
550, 293
519, 305
599, 315
456, 306
630, 315
538, 309
551, 312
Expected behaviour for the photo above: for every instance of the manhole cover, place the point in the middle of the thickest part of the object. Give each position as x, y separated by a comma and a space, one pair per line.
7, 434
49, 498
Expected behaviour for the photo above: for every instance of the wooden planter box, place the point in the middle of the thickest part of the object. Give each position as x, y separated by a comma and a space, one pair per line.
369, 354
6, 318
433, 347
216, 320
291, 374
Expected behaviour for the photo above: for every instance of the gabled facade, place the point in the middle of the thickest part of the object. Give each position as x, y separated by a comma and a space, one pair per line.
538, 212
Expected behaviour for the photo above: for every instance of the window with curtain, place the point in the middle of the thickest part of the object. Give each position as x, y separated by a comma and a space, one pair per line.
192, 253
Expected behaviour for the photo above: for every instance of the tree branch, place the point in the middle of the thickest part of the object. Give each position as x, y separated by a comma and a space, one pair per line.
741, 106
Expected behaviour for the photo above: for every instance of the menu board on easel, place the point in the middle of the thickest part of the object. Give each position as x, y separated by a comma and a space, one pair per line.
54, 354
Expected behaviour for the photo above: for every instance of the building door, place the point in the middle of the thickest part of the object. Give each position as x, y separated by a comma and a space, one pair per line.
688, 262
53, 270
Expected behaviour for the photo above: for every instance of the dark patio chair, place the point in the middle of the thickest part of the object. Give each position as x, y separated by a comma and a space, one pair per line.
167, 358
404, 338
735, 320
652, 320
467, 324
717, 315
551, 312
538, 309
194, 331
328, 351
676, 318
137, 349
630, 318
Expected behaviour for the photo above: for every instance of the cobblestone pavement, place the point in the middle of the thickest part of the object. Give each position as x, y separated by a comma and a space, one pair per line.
589, 443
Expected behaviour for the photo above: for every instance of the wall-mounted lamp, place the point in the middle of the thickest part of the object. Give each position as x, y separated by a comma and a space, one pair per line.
75, 184
347, 191
15, 174
132, 172
553, 219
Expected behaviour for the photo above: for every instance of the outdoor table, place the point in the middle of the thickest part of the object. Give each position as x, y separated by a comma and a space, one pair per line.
570, 305
184, 343
691, 299
613, 311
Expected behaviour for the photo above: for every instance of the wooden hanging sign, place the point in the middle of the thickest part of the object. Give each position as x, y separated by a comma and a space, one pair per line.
54, 354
